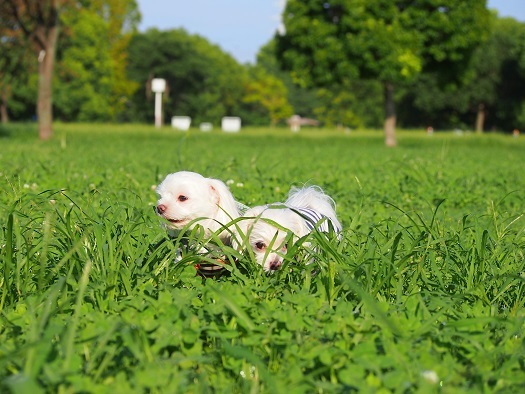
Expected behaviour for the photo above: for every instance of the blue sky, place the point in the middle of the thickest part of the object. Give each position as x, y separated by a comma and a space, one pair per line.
241, 27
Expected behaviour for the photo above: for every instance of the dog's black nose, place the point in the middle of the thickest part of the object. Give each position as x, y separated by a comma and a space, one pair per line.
275, 265
161, 209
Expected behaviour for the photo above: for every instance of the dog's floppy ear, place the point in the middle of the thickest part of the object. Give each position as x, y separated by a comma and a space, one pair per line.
223, 197
217, 189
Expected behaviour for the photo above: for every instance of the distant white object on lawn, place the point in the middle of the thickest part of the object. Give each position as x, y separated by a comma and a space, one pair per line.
231, 124
206, 126
181, 122
295, 122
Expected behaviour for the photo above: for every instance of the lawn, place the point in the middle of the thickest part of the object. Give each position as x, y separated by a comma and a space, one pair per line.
425, 292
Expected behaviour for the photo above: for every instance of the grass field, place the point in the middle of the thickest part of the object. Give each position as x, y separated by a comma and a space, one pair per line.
424, 293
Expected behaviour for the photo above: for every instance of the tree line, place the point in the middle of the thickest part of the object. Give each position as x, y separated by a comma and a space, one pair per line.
346, 63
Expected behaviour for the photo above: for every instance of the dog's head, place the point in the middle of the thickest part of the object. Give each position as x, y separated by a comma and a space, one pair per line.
267, 231
186, 196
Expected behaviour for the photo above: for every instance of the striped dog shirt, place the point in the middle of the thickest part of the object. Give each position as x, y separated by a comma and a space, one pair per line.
312, 217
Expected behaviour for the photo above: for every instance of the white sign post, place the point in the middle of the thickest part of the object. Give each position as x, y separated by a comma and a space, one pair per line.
158, 86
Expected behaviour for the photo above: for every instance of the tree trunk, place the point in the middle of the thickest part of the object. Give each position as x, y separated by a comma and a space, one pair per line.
4, 117
390, 115
480, 118
39, 21
46, 64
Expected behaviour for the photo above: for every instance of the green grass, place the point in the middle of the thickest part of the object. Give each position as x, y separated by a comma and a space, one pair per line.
424, 293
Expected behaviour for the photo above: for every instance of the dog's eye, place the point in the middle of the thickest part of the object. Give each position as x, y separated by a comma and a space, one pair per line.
182, 198
260, 245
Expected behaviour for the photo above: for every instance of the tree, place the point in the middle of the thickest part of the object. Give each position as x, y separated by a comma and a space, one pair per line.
351, 105
391, 41
494, 64
336, 109
92, 84
508, 39
39, 22
204, 82
83, 85
13, 63
122, 18
303, 100
269, 92
486, 93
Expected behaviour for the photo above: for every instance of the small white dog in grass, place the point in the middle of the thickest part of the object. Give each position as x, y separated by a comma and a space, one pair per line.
266, 228
187, 197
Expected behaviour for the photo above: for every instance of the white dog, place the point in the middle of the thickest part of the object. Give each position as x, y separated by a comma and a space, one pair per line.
187, 197
265, 228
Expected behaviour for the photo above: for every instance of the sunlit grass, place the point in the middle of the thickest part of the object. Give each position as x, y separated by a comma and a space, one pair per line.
424, 292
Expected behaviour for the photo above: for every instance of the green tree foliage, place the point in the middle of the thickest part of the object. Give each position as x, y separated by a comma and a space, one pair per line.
506, 45
204, 82
327, 42
303, 100
92, 84
122, 17
337, 111
488, 93
355, 105
84, 84
15, 61
351, 106
269, 92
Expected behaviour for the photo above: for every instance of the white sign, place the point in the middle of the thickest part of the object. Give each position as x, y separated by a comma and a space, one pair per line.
206, 126
231, 124
158, 85
181, 122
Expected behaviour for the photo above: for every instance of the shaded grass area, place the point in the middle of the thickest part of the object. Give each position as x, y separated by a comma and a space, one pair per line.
424, 293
